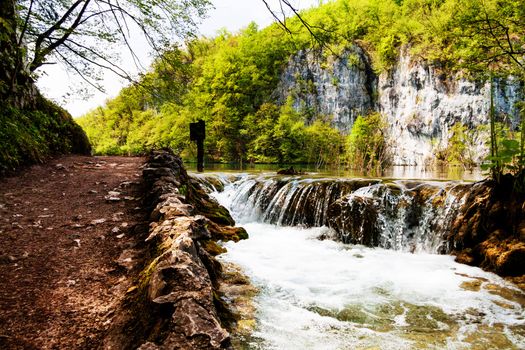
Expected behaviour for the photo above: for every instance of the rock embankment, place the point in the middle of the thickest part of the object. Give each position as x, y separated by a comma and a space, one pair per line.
173, 304
490, 230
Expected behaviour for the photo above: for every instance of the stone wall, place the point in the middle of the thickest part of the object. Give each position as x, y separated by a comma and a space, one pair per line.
173, 305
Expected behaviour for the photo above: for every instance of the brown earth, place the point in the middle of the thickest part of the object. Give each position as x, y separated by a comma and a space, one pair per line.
61, 237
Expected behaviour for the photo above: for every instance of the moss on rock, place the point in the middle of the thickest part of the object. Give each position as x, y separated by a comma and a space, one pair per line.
34, 134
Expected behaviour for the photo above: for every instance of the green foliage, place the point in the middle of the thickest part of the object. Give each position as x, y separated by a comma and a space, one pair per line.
32, 135
508, 155
460, 147
229, 81
367, 147
87, 36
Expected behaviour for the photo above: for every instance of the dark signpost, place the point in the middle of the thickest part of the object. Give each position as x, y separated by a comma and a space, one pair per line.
198, 134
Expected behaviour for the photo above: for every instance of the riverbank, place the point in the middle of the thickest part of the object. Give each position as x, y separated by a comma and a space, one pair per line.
113, 253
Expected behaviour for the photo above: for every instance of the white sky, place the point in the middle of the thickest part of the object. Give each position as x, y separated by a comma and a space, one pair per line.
233, 15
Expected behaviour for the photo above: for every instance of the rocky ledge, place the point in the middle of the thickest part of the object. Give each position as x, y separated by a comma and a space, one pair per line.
490, 230
175, 300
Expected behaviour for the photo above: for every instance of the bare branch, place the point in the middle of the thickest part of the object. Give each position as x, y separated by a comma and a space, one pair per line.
111, 67
26, 22
40, 54
82, 76
283, 24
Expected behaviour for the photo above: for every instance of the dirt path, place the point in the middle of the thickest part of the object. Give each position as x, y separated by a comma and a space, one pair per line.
61, 235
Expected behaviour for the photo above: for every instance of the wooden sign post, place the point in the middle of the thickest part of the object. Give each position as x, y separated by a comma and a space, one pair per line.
198, 134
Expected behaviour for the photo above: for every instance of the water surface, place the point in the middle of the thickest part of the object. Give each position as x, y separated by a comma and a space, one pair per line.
327, 295
394, 172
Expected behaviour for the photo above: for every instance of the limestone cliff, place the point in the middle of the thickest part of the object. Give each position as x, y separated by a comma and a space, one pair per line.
421, 102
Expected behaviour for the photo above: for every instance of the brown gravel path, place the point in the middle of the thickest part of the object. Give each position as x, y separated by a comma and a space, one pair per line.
61, 236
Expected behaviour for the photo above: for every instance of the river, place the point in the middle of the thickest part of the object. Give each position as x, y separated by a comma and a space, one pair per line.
324, 294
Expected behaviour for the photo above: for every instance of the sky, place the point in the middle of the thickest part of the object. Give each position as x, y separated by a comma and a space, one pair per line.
63, 87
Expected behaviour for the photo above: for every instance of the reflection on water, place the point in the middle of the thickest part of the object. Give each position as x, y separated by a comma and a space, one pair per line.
394, 172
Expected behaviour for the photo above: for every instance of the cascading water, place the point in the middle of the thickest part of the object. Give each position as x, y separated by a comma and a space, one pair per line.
325, 294
400, 215
289, 201
403, 215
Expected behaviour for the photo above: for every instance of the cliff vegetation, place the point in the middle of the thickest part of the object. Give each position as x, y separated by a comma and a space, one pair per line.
230, 80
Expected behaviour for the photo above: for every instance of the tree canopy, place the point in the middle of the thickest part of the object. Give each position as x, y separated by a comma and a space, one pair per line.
86, 35
230, 80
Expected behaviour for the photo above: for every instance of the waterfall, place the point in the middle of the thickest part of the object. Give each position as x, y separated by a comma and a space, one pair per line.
404, 216
400, 215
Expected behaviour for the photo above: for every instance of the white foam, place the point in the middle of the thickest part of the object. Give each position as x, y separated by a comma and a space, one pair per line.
296, 272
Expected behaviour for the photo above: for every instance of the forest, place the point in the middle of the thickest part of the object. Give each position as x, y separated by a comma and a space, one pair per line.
229, 81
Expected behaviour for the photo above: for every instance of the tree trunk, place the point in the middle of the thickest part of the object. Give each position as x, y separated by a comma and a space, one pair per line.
16, 86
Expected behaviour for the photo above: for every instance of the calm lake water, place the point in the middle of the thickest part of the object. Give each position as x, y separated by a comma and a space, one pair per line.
395, 172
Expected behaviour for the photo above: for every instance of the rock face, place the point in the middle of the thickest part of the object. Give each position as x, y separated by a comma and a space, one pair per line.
343, 89
490, 230
174, 300
421, 102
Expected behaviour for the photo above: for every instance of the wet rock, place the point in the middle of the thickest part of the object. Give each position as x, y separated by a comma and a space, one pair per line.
465, 257
355, 220
290, 171
128, 259
511, 262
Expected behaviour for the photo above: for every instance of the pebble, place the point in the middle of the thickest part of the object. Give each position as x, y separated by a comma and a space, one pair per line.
117, 216
70, 283
97, 221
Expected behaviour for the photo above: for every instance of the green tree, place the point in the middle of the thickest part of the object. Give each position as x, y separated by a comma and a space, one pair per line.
82, 34
487, 41
367, 147
460, 148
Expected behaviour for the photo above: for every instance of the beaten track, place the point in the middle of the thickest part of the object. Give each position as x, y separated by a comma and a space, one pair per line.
64, 227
